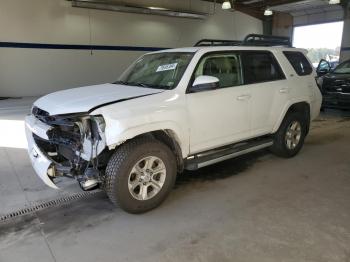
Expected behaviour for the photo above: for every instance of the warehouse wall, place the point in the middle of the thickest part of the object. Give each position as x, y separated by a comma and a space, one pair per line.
31, 72
319, 18
282, 24
345, 46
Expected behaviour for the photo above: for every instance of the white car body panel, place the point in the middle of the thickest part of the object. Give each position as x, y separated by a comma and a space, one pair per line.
162, 111
197, 121
83, 99
37, 127
212, 123
39, 161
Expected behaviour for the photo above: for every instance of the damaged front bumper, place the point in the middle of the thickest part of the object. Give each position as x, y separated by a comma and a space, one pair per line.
41, 164
66, 145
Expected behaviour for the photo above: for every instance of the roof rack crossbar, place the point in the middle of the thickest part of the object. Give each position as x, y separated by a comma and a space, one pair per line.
266, 40
249, 40
218, 42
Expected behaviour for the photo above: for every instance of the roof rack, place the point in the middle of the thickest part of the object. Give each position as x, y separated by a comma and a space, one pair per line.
217, 42
266, 40
249, 40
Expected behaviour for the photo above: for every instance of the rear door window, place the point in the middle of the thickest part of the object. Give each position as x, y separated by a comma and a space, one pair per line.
299, 62
261, 66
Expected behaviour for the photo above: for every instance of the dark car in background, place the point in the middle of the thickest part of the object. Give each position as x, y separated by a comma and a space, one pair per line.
334, 84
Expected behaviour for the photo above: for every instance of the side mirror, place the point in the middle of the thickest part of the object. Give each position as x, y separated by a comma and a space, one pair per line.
205, 83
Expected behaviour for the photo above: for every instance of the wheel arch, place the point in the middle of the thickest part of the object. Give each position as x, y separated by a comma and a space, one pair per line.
168, 137
301, 107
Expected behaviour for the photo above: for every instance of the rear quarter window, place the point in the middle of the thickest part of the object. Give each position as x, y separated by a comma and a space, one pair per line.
299, 62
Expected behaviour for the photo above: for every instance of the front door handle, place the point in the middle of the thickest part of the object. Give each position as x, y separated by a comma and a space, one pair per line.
284, 90
243, 97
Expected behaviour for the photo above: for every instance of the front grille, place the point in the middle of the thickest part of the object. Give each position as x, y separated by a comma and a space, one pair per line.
337, 85
37, 112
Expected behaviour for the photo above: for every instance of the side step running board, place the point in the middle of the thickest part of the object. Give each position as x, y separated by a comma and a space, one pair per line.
217, 155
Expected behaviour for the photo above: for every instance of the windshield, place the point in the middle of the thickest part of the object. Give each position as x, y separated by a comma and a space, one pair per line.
159, 70
343, 68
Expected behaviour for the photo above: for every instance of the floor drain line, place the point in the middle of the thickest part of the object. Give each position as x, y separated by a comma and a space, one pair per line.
47, 204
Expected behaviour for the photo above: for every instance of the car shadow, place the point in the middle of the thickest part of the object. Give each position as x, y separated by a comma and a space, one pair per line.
221, 170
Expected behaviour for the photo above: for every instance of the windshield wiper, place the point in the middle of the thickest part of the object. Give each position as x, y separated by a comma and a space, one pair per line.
140, 84
150, 86
121, 83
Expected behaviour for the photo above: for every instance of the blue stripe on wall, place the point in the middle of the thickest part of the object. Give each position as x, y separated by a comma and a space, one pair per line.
80, 47
90, 47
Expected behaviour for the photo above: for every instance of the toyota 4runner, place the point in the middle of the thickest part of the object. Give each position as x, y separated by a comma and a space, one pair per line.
172, 110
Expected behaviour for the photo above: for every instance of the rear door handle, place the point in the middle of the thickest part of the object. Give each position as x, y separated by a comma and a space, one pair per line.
243, 97
284, 90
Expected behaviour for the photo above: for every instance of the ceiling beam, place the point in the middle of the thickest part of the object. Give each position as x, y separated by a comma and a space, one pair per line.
255, 9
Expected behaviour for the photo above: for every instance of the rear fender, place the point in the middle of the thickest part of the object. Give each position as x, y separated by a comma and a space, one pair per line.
285, 110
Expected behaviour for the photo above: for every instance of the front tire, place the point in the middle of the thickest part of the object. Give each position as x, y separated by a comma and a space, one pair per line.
289, 138
140, 175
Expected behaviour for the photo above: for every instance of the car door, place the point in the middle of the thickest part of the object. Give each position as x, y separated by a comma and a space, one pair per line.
221, 116
268, 87
323, 68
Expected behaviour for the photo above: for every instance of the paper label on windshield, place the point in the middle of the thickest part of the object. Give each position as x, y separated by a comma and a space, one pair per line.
166, 67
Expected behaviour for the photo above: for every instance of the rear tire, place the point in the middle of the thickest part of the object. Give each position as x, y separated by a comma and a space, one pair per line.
134, 181
289, 138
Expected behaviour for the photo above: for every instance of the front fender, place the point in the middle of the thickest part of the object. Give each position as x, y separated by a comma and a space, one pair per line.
117, 132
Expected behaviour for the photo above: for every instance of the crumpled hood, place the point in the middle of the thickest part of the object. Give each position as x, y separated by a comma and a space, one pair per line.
83, 99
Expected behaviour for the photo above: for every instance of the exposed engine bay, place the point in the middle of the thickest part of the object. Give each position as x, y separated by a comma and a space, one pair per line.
76, 145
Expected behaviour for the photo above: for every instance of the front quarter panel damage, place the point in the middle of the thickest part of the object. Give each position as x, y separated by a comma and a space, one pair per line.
165, 111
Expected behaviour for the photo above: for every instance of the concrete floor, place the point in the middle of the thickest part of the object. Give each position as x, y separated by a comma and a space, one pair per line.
19, 186
254, 208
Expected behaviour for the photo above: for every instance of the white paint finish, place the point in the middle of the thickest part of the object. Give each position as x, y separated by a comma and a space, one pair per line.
270, 99
267, 103
218, 117
201, 80
162, 111
39, 161
199, 121
37, 127
82, 99
28, 72
266, 113
299, 89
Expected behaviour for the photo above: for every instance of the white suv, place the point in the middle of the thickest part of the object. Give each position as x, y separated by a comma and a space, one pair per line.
173, 110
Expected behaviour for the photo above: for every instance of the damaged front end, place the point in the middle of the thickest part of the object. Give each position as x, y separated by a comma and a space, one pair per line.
71, 145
